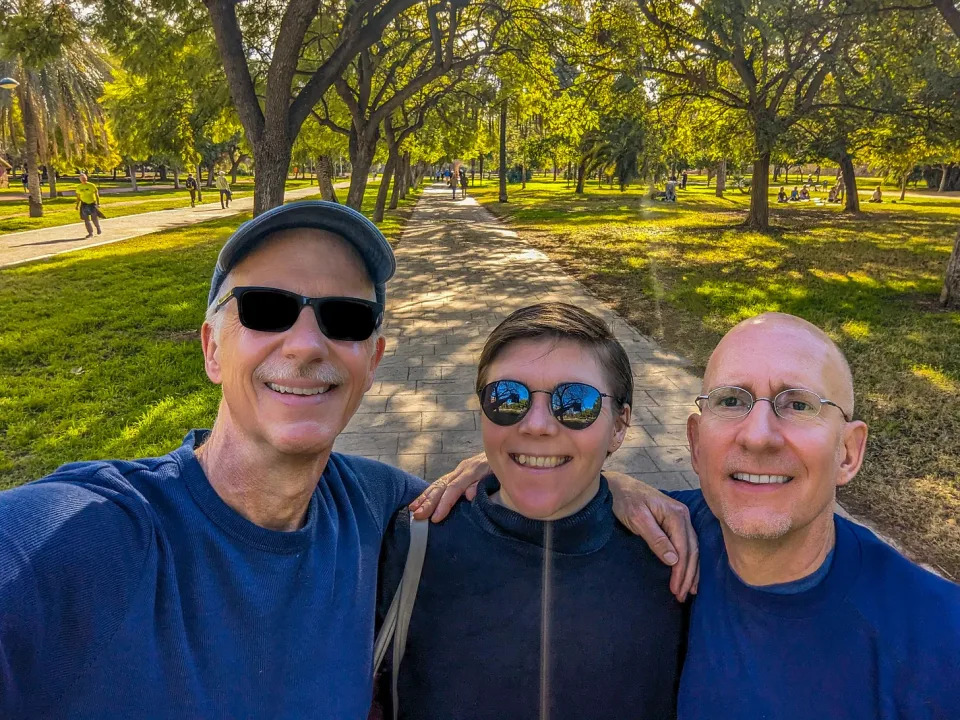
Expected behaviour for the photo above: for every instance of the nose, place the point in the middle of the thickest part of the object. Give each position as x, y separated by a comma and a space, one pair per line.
761, 429
304, 341
539, 420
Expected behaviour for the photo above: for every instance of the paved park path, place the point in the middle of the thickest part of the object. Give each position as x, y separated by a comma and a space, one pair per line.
38, 244
460, 271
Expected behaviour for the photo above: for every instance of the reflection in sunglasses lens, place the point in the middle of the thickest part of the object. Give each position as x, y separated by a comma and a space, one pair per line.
505, 402
576, 405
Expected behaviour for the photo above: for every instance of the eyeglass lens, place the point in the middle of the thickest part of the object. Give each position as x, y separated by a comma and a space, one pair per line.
574, 405
277, 311
794, 404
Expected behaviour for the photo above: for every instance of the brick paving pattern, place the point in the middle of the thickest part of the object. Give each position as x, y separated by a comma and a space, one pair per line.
460, 271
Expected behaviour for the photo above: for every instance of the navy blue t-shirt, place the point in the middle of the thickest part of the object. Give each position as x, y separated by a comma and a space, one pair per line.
131, 590
877, 638
515, 617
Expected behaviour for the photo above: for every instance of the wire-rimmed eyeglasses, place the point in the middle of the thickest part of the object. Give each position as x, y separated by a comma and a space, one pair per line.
730, 401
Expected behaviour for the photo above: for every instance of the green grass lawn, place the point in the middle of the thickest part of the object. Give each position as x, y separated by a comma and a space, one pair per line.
686, 273
14, 216
100, 352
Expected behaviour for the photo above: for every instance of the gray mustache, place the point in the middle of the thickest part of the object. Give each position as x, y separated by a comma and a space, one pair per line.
321, 374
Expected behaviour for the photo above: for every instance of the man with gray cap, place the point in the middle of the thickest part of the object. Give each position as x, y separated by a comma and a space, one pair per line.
222, 579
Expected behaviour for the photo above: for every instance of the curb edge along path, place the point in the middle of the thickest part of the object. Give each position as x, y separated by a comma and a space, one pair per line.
460, 271
28, 245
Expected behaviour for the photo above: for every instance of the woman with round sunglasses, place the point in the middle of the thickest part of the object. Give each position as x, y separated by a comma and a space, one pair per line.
533, 601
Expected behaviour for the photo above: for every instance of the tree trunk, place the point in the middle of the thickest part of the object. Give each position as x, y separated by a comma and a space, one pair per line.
235, 166
944, 176
395, 195
503, 151
272, 159
388, 172
114, 174
950, 296
176, 178
818, 174
31, 134
163, 173
481, 171
709, 175
721, 178
52, 180
852, 200
325, 171
406, 180
903, 185
210, 174
362, 149
133, 177
776, 172
581, 175
554, 169
759, 216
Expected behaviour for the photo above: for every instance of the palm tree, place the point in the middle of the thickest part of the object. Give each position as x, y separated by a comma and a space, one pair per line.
61, 77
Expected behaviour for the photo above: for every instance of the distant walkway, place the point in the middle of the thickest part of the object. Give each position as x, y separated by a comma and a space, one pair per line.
459, 273
30, 245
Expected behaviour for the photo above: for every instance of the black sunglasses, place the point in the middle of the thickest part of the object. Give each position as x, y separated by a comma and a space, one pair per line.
273, 310
575, 405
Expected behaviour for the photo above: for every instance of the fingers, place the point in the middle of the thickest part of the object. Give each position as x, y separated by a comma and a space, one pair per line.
645, 525
677, 525
424, 505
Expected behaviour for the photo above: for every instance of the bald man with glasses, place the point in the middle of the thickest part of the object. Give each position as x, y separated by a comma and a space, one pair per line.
801, 613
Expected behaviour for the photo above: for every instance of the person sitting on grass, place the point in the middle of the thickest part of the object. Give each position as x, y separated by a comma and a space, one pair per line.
671, 190
794, 195
800, 613
782, 195
877, 196
88, 202
804, 193
549, 580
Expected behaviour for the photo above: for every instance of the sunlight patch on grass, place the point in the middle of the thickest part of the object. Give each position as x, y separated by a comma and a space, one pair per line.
936, 378
856, 329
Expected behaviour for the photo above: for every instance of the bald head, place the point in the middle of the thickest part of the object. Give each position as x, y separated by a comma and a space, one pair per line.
786, 345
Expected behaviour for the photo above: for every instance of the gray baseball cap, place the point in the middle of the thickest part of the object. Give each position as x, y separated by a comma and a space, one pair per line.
322, 215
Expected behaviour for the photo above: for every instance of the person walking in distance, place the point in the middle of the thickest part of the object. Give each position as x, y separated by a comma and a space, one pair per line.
224, 187
88, 200
194, 188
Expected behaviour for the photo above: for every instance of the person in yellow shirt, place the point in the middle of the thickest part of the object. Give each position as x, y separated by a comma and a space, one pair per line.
224, 187
88, 200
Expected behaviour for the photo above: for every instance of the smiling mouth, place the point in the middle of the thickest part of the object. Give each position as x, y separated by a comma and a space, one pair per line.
540, 461
761, 479
286, 390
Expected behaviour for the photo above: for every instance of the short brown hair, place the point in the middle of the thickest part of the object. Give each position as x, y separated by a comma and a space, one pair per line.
562, 321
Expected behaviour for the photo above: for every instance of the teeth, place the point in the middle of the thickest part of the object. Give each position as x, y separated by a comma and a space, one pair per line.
297, 391
761, 479
549, 461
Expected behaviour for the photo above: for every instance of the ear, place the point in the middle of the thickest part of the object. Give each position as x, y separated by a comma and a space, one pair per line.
211, 354
374, 362
693, 440
852, 449
620, 427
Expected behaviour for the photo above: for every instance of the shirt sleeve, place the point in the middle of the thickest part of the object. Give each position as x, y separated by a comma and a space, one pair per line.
71, 558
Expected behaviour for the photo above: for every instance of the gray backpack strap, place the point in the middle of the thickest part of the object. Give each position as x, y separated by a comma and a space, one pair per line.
397, 621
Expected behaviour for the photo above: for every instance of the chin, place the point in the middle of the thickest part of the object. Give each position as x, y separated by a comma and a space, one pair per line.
301, 441
757, 525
